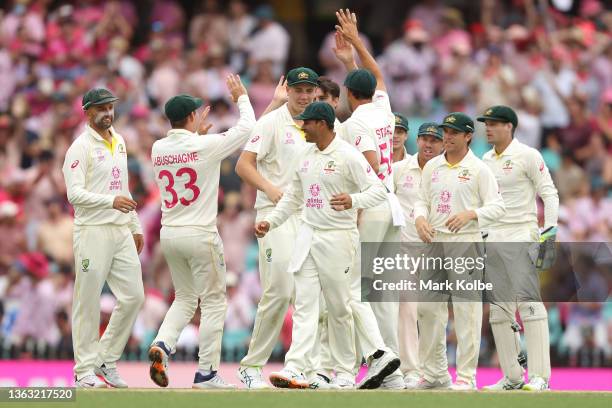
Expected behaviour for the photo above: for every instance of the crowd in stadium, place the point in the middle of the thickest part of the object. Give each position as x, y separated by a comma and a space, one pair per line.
554, 66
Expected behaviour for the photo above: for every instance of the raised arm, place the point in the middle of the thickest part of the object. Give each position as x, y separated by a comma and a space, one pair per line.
280, 96
348, 28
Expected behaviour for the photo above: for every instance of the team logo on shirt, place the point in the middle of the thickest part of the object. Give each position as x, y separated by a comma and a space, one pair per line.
408, 182
358, 140
435, 176
255, 139
304, 167
289, 138
445, 196
121, 148
444, 205
221, 260
330, 167
464, 176
74, 164
541, 168
314, 190
116, 183
268, 255
85, 265
100, 155
507, 167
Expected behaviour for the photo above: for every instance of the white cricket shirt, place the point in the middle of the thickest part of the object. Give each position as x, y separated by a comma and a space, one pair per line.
187, 167
320, 175
370, 128
95, 172
521, 173
278, 143
450, 189
407, 181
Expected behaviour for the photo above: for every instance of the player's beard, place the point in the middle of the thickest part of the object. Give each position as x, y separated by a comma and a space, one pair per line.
101, 122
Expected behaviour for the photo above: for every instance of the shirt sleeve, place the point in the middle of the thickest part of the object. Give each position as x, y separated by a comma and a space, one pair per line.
421, 205
381, 100
222, 145
372, 190
540, 176
357, 135
292, 200
134, 223
262, 137
492, 208
75, 174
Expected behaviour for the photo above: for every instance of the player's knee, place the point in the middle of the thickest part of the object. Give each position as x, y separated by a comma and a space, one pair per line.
426, 310
530, 311
133, 300
497, 315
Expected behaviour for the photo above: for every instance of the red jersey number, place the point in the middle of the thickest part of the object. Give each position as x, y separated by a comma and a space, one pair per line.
191, 185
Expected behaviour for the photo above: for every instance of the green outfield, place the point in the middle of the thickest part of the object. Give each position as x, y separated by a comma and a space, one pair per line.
321, 399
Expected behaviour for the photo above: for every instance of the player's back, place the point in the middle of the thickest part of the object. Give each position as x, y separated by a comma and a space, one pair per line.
187, 170
370, 127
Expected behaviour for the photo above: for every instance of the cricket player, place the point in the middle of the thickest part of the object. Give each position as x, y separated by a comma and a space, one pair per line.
400, 135
107, 240
370, 130
331, 180
407, 172
187, 167
458, 194
267, 163
521, 174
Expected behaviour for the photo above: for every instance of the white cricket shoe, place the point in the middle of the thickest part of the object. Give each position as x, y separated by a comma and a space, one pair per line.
536, 383
322, 382
252, 378
89, 381
433, 385
344, 382
110, 376
462, 385
504, 385
395, 381
211, 381
158, 356
412, 381
378, 369
287, 378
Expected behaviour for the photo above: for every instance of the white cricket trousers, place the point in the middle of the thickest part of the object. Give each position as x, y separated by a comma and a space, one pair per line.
275, 250
197, 266
433, 315
103, 253
325, 270
376, 227
408, 331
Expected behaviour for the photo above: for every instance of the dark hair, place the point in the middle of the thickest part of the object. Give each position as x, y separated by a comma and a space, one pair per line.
329, 87
180, 124
361, 95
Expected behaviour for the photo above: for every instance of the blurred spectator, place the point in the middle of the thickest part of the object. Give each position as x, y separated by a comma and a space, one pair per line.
209, 28
240, 24
262, 88
55, 233
555, 85
408, 63
270, 41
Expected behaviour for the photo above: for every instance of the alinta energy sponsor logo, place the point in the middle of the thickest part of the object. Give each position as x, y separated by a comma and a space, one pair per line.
314, 201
